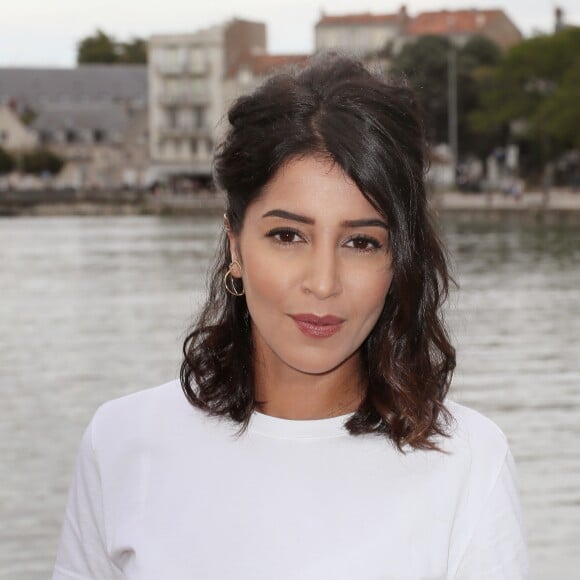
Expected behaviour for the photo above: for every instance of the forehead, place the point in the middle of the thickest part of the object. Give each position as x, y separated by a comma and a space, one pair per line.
316, 187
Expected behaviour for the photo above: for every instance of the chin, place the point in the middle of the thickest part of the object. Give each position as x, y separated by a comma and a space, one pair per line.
314, 365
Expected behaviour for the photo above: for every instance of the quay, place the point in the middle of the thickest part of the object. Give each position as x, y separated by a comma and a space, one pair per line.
559, 206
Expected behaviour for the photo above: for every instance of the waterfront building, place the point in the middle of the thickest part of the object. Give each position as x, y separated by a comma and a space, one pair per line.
460, 25
371, 36
359, 34
96, 83
189, 96
94, 116
104, 143
14, 134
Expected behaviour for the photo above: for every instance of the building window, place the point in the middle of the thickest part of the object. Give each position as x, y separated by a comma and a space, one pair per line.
193, 146
172, 118
199, 115
329, 39
167, 150
172, 87
98, 135
45, 137
3, 137
70, 136
197, 87
197, 62
170, 58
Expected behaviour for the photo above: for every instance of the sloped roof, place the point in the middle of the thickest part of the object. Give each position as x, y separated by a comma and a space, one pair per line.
451, 21
97, 83
362, 18
264, 64
107, 117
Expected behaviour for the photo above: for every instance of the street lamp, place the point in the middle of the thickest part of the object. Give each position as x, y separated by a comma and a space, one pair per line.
452, 105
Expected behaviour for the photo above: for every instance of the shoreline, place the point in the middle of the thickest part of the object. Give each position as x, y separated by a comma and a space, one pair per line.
560, 207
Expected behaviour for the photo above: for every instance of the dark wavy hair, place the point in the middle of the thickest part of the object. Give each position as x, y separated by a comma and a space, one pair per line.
372, 129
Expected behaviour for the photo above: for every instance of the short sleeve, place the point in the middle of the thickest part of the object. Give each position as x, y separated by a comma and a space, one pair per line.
497, 549
82, 552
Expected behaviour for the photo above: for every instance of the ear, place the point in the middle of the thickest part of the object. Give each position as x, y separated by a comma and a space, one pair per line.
235, 253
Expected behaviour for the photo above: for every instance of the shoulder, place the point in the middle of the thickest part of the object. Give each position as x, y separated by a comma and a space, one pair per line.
167, 395
149, 404
146, 419
472, 428
476, 449
488, 500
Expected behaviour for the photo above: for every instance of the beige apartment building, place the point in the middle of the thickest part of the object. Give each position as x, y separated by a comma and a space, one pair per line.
362, 34
368, 35
188, 95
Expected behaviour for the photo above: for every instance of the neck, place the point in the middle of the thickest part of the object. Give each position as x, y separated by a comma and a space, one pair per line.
284, 392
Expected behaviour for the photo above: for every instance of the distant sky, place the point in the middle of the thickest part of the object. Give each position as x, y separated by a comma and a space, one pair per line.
45, 33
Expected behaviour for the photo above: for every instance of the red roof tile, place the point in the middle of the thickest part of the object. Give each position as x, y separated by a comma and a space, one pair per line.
264, 64
451, 21
364, 18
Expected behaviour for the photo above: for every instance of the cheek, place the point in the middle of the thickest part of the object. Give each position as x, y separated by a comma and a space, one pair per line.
266, 279
369, 292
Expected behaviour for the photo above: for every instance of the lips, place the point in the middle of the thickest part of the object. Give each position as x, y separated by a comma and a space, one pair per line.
318, 326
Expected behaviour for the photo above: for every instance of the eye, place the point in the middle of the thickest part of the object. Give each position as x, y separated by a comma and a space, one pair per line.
363, 243
285, 236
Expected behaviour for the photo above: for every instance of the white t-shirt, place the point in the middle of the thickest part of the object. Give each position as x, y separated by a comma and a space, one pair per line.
163, 491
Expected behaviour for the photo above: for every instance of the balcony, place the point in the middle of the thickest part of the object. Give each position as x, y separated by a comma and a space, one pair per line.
176, 69
183, 130
185, 99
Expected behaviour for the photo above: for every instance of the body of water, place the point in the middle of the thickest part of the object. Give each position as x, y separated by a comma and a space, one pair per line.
94, 308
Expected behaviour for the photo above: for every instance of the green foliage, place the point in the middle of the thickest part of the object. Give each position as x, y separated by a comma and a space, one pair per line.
478, 52
425, 64
28, 116
6, 162
537, 84
40, 161
102, 48
559, 115
134, 51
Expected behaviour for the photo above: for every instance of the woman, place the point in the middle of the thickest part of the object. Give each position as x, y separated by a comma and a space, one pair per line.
314, 440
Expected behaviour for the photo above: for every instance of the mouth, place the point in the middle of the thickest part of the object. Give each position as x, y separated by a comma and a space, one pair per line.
318, 326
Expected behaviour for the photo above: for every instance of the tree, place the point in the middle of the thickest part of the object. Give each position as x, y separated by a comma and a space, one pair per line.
6, 162
28, 115
134, 51
559, 115
478, 52
40, 161
425, 64
105, 49
535, 88
100, 48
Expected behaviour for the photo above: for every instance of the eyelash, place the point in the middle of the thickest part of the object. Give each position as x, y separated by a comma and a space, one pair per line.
374, 243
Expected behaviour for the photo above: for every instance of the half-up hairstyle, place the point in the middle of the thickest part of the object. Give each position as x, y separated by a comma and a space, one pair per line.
372, 129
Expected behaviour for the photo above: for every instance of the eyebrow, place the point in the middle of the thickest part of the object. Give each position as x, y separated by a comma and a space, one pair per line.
281, 213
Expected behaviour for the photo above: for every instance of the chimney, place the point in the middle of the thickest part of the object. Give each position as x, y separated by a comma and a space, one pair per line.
403, 16
559, 18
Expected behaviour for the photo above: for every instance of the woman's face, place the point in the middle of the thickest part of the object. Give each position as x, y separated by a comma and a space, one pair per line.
316, 267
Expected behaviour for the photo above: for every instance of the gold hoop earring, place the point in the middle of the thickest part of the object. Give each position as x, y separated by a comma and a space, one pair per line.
229, 280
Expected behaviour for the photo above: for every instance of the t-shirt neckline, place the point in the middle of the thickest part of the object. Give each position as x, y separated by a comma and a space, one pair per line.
298, 428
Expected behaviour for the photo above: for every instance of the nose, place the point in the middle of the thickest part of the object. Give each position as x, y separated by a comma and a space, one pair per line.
322, 276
